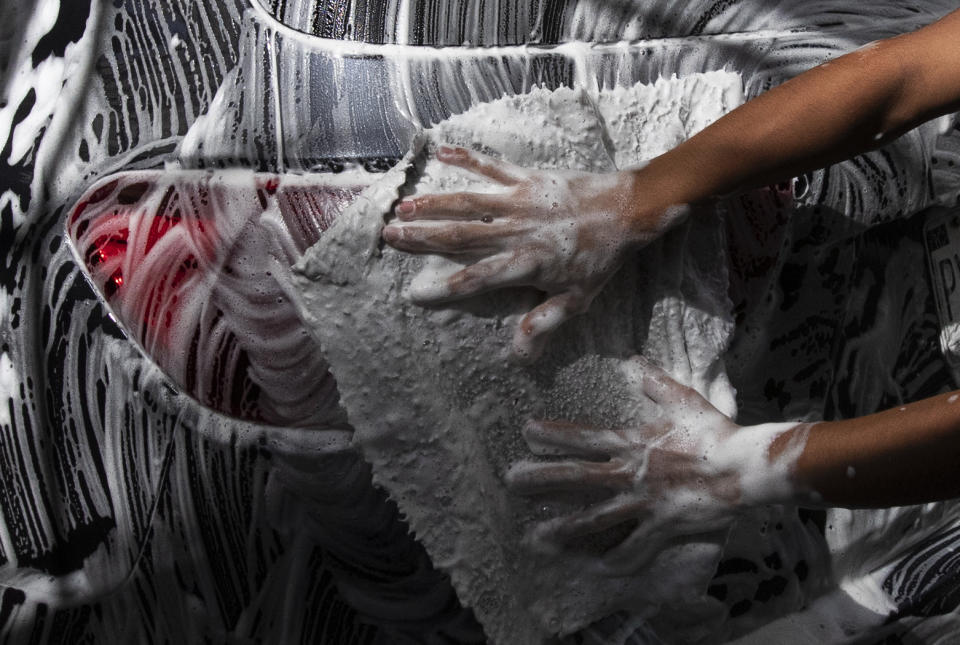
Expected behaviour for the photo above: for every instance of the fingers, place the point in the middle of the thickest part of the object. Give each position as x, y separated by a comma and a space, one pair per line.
595, 519
465, 205
678, 349
454, 206
499, 171
535, 478
636, 551
496, 272
563, 438
447, 237
650, 538
531, 334
661, 387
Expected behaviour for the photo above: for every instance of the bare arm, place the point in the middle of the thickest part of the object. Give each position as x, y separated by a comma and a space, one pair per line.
905, 455
850, 105
832, 112
687, 468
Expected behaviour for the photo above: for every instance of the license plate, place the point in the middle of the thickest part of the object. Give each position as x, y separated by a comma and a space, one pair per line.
941, 235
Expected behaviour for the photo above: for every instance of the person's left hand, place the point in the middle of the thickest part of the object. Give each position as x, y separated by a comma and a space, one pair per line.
563, 232
685, 472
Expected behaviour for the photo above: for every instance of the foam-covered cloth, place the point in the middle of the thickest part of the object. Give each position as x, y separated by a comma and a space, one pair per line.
438, 407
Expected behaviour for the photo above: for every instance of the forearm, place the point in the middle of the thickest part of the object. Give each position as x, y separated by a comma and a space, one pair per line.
905, 455
832, 112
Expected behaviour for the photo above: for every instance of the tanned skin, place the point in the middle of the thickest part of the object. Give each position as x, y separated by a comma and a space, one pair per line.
845, 107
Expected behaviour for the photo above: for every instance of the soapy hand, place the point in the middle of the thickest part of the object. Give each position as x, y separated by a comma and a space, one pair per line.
686, 471
563, 232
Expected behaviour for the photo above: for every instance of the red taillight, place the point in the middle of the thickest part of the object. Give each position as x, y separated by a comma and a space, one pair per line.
189, 263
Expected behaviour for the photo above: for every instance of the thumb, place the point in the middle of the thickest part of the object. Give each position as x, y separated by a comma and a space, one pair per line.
531, 334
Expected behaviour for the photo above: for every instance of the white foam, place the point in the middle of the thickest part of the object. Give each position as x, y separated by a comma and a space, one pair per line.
438, 411
9, 384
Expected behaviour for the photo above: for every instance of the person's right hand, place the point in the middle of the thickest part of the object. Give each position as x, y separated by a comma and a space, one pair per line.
686, 470
562, 232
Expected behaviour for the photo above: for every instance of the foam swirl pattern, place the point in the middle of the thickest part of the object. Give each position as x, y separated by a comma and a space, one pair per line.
148, 496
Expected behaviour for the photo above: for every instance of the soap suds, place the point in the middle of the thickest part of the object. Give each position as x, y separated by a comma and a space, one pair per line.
685, 469
8, 387
438, 411
559, 231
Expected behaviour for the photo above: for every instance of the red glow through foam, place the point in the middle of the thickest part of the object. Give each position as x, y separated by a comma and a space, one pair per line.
179, 256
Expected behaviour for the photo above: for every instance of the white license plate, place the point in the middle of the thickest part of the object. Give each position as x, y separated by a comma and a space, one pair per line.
941, 235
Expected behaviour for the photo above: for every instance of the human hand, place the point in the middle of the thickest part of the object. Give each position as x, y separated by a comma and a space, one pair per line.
686, 471
563, 232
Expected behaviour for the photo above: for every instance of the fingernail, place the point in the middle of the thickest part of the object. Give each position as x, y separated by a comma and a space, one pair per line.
392, 233
539, 540
405, 207
428, 293
531, 429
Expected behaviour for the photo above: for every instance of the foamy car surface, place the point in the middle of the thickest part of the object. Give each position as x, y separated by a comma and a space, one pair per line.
189, 263
133, 513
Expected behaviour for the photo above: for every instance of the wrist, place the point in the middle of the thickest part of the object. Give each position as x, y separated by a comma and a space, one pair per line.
648, 210
767, 456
